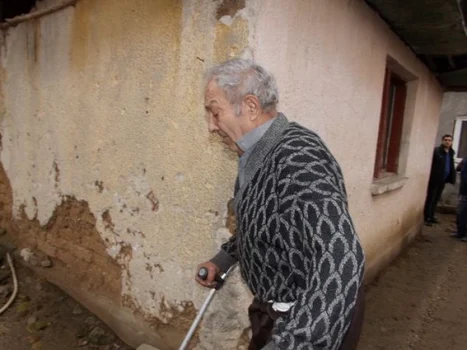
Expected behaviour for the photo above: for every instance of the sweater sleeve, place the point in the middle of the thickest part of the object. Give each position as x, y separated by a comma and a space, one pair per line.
227, 255
323, 250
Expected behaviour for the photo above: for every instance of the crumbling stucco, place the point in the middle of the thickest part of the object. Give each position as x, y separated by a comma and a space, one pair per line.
229, 8
102, 120
95, 147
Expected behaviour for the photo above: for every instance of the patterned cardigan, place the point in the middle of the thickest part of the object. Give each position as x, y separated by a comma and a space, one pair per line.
295, 240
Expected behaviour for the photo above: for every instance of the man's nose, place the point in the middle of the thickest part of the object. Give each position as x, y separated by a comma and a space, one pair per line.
212, 125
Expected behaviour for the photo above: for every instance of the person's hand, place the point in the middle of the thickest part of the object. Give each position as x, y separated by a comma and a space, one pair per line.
213, 270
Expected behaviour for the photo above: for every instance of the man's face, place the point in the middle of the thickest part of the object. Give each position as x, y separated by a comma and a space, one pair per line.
447, 142
221, 117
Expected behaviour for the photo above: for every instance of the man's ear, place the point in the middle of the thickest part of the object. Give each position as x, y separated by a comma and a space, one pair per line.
253, 107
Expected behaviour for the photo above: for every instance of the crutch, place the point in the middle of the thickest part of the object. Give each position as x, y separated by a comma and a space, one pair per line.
203, 274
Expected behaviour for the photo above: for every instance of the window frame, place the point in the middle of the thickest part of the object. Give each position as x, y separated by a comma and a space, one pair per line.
389, 142
457, 135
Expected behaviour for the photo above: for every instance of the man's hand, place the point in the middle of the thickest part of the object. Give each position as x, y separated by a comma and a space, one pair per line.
213, 270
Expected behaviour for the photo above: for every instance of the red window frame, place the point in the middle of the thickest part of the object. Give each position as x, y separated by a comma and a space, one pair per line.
390, 126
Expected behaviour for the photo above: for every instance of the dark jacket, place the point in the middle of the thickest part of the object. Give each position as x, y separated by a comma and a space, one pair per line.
438, 164
462, 167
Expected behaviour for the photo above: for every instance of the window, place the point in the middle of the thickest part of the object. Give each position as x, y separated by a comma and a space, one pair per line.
390, 125
460, 137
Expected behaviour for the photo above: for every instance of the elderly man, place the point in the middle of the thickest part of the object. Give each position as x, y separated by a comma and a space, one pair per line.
295, 243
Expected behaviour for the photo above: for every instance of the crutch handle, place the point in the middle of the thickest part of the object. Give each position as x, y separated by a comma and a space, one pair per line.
203, 274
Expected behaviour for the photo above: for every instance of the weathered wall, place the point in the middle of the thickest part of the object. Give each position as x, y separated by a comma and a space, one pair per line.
454, 105
109, 167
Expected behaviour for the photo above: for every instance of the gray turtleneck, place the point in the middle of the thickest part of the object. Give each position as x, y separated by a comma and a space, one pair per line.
246, 144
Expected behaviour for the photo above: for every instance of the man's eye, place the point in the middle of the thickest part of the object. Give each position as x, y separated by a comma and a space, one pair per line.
216, 115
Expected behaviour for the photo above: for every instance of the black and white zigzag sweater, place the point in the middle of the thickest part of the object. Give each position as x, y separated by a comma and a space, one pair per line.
295, 240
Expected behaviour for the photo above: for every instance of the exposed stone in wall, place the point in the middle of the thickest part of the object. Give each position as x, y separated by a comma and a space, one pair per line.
69, 238
229, 8
81, 265
80, 259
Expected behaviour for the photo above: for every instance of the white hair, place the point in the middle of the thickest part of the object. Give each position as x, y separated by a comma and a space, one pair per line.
241, 77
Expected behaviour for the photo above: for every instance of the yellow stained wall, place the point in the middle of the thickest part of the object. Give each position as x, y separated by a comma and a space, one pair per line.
102, 103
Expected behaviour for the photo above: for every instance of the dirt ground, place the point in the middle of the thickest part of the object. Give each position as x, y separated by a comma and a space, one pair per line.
44, 318
419, 302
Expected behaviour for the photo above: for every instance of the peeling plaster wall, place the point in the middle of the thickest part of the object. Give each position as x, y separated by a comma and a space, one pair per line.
102, 103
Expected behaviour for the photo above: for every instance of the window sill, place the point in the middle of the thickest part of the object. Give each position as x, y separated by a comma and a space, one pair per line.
387, 184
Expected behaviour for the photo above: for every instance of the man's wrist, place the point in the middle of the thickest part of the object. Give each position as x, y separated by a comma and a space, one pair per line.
223, 260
